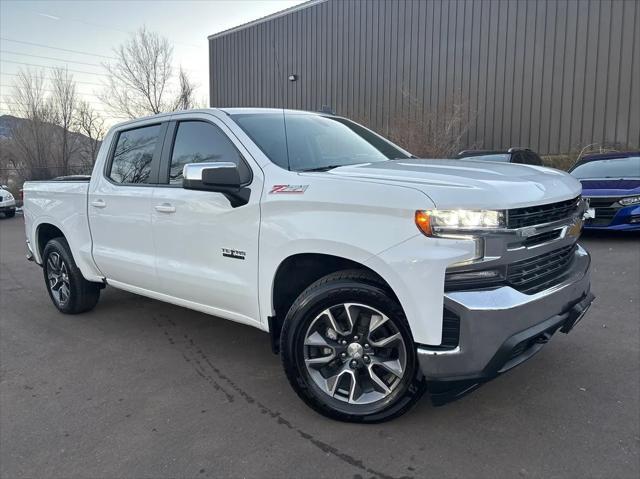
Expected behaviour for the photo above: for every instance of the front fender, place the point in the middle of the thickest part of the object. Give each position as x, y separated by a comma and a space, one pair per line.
270, 263
343, 217
415, 271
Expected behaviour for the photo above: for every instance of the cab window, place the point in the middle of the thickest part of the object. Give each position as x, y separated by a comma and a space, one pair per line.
133, 154
202, 142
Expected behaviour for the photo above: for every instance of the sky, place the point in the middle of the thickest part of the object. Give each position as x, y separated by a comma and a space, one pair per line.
82, 34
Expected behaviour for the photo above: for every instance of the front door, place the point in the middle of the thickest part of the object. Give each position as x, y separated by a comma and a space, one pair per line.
120, 207
206, 250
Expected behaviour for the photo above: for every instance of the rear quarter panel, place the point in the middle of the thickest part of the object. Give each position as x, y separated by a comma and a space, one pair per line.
62, 204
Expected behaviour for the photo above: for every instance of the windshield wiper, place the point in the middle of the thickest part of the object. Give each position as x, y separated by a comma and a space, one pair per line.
322, 168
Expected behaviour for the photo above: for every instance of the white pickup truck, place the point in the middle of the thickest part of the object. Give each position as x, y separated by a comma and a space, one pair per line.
377, 275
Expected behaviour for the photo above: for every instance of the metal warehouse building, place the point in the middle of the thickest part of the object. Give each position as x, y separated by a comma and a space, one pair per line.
551, 75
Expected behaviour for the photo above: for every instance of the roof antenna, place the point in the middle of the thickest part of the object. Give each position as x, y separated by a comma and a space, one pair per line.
282, 96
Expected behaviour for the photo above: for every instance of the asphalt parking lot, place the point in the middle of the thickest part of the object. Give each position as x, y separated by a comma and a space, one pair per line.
139, 388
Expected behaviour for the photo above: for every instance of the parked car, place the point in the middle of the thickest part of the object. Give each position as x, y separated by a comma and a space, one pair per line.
611, 182
523, 156
7, 202
376, 275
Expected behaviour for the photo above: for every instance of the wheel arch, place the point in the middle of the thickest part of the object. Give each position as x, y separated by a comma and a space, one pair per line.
298, 271
80, 245
44, 233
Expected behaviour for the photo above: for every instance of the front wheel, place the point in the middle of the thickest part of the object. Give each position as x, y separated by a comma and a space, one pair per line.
67, 288
348, 351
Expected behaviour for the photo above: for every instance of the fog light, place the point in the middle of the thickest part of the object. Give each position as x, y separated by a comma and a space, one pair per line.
634, 220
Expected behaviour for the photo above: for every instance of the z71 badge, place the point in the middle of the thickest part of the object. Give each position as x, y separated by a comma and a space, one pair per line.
300, 189
233, 253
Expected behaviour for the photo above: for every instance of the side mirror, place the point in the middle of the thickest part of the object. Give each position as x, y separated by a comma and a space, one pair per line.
222, 177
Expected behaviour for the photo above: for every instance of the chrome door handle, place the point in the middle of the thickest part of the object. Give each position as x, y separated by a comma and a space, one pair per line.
98, 203
165, 208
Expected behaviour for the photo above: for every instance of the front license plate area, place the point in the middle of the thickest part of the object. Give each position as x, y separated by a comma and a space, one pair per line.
590, 214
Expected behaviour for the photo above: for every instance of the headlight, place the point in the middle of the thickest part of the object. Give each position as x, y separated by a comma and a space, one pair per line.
630, 200
437, 222
8, 197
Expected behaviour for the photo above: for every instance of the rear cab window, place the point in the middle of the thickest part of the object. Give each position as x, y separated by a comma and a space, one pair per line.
133, 155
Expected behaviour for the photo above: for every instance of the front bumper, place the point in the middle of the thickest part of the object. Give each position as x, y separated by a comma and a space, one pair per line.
9, 205
626, 218
503, 327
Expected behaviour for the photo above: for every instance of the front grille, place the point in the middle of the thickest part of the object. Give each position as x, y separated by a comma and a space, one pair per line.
527, 276
542, 271
600, 202
542, 238
605, 209
535, 215
450, 329
606, 213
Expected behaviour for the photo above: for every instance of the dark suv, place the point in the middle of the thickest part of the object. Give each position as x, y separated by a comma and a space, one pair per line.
512, 155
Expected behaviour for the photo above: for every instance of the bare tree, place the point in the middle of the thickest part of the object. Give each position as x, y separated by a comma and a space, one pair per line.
438, 134
91, 124
53, 134
63, 103
31, 140
186, 92
141, 80
29, 99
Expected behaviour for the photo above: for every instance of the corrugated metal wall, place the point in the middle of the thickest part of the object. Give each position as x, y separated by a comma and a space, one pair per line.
552, 75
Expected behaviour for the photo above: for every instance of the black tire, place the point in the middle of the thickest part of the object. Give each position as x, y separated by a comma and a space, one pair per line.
10, 213
82, 294
348, 286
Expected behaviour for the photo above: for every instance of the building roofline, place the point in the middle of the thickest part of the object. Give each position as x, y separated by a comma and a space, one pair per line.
281, 13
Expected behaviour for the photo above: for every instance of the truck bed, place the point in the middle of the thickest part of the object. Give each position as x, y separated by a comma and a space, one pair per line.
62, 204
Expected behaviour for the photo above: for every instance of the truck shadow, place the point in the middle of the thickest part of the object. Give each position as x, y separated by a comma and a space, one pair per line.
220, 351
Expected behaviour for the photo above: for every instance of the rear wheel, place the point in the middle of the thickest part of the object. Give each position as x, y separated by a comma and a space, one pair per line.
67, 288
348, 351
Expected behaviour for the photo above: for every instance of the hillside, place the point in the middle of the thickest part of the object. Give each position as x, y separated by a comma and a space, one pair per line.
10, 122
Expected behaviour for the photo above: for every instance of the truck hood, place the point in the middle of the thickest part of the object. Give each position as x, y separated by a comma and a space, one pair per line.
471, 184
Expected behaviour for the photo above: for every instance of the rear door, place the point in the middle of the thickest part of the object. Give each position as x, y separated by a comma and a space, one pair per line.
120, 206
207, 250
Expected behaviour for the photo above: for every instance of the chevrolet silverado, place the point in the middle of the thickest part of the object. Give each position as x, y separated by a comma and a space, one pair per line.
377, 275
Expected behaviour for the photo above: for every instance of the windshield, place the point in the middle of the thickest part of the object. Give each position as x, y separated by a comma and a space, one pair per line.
314, 142
613, 168
502, 158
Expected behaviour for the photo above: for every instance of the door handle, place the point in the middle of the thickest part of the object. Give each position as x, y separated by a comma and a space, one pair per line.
165, 208
98, 203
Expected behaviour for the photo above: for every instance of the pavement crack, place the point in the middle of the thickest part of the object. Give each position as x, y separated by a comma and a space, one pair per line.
204, 367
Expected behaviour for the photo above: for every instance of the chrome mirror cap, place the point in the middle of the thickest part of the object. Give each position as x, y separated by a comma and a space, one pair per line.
193, 171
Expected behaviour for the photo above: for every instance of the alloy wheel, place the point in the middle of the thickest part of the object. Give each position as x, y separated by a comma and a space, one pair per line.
355, 353
58, 278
